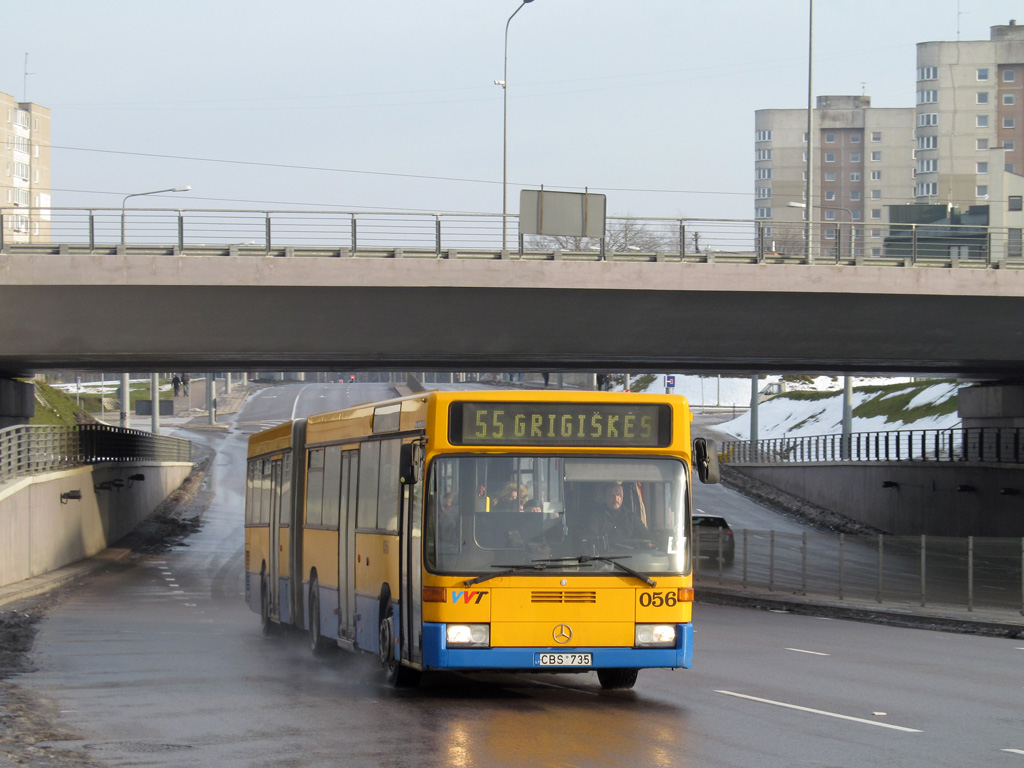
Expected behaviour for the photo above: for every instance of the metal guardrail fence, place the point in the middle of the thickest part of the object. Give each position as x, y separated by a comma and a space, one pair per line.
158, 231
30, 450
972, 572
977, 444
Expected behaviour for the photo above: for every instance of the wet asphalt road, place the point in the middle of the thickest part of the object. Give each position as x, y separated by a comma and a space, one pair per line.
163, 664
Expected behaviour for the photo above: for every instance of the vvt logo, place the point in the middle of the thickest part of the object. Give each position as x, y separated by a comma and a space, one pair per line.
467, 597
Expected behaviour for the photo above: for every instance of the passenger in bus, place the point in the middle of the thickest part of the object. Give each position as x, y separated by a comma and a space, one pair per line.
510, 498
534, 506
448, 519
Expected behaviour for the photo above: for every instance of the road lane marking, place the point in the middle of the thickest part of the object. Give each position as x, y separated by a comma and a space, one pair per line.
813, 653
820, 712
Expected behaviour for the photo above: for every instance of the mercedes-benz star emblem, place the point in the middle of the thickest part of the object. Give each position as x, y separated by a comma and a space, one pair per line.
562, 634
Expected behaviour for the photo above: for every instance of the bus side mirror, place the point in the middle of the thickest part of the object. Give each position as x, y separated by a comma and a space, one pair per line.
705, 459
408, 463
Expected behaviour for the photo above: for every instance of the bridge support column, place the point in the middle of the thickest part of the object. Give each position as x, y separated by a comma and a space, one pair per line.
17, 402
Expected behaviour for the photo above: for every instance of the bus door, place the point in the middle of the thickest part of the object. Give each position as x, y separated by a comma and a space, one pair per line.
274, 556
412, 564
347, 548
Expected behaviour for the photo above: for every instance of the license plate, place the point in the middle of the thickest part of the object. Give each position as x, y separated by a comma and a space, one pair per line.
565, 659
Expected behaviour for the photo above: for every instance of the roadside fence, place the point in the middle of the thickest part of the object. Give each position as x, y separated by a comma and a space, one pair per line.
972, 573
974, 444
31, 450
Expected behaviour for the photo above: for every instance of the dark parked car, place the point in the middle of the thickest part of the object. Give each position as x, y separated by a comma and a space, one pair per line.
708, 530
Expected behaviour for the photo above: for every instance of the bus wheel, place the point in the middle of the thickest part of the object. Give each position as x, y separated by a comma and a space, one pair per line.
317, 644
266, 626
617, 678
397, 675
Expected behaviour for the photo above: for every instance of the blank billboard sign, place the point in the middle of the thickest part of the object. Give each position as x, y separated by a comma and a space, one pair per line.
569, 214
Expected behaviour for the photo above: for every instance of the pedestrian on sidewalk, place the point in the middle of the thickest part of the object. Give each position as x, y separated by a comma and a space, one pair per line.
185, 379
177, 385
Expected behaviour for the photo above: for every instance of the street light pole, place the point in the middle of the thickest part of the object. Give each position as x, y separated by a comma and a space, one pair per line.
185, 188
504, 144
839, 241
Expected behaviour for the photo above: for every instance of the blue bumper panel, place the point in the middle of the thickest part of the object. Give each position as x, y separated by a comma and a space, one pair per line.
436, 654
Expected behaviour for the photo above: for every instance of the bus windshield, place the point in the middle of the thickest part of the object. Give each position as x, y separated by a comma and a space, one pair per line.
488, 512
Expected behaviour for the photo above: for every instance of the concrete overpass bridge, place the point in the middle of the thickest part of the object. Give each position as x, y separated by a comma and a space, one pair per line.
231, 290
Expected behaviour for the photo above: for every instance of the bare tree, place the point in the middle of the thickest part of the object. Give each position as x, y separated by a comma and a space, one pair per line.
622, 235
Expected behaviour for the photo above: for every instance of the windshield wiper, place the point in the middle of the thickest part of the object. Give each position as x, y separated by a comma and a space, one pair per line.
583, 559
535, 565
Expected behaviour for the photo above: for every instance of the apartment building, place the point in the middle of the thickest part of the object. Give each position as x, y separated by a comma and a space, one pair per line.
863, 160
970, 116
25, 169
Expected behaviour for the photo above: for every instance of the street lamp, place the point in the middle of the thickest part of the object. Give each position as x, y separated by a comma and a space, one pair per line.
839, 243
504, 146
185, 188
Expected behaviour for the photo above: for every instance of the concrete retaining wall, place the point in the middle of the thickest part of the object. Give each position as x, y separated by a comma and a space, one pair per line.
910, 498
38, 533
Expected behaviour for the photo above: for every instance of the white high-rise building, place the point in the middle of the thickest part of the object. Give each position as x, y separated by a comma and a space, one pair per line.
24, 171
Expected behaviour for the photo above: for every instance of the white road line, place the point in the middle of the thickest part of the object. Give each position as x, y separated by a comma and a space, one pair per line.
813, 653
820, 712
1015, 751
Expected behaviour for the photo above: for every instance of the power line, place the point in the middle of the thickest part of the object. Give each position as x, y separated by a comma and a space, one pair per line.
324, 169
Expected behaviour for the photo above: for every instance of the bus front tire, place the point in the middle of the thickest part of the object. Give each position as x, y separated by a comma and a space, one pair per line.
612, 679
395, 672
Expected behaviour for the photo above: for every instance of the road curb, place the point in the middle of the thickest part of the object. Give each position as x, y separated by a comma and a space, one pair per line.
881, 615
37, 585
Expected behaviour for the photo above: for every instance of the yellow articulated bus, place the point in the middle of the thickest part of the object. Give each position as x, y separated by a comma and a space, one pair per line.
495, 530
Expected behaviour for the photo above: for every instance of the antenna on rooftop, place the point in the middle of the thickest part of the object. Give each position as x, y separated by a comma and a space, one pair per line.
24, 85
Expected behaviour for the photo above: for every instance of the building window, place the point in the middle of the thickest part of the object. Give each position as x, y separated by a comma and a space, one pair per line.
763, 192
876, 175
876, 157
830, 194
876, 214
1008, 167
855, 157
830, 234
830, 157
855, 176
926, 189
855, 215
830, 138
876, 135
1008, 99
1008, 146
981, 97
981, 121
830, 175
926, 119
762, 135
762, 173
876, 194
981, 190
762, 154
982, 167
1009, 122
763, 213
927, 142
927, 97
1009, 76
928, 166
1015, 202
855, 194
981, 144
983, 73
830, 215
928, 73
855, 138
21, 118
21, 170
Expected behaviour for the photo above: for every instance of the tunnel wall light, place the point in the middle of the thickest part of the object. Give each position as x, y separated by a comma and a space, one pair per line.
890, 484
70, 496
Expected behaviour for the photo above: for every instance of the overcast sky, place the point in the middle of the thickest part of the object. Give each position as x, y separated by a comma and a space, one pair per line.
392, 105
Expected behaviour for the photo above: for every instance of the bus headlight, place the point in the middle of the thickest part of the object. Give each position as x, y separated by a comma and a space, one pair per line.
655, 635
469, 635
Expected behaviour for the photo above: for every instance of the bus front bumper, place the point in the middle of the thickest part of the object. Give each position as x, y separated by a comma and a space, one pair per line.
437, 655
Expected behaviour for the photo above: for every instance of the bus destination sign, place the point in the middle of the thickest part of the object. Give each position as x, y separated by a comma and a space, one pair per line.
568, 424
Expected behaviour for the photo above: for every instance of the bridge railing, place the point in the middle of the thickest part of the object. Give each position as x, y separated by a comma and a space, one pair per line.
31, 450
975, 444
472, 235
